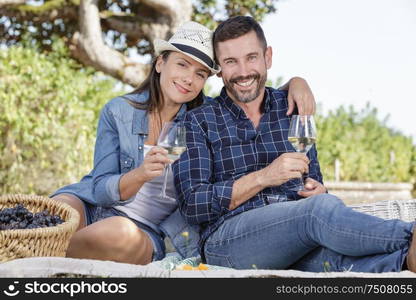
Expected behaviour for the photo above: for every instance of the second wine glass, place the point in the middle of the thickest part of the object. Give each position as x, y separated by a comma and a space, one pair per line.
302, 136
172, 138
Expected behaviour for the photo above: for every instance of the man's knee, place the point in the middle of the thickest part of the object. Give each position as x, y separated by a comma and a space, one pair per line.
324, 202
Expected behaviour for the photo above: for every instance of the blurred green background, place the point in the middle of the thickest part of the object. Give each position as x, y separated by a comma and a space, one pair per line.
50, 101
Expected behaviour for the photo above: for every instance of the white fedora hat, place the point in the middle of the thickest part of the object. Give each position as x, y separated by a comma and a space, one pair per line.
194, 40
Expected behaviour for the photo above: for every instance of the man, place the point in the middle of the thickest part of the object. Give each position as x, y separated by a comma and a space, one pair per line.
233, 180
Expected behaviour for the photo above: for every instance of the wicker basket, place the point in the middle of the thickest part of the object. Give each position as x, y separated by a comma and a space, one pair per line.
390, 209
48, 241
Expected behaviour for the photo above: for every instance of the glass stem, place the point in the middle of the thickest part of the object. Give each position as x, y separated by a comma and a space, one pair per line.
304, 176
165, 180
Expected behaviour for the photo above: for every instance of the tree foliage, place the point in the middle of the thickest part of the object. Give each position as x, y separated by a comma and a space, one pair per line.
211, 12
103, 33
366, 147
49, 106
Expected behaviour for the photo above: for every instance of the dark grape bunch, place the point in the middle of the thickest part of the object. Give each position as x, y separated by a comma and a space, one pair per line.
19, 217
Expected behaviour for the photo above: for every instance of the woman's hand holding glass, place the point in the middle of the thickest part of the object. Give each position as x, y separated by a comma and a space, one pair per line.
154, 163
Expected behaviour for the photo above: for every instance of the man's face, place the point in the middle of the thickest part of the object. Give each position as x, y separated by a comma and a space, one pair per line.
244, 65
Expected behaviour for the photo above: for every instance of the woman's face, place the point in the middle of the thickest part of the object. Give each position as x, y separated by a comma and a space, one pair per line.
181, 77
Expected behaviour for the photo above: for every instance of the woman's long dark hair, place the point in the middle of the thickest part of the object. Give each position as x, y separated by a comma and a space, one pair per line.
152, 85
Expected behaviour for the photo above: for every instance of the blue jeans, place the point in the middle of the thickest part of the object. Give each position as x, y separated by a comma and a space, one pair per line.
315, 234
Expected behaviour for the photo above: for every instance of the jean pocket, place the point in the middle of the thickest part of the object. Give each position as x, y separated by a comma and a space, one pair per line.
95, 213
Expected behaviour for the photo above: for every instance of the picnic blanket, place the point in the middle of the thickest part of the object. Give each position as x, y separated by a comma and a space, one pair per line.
174, 262
173, 265
170, 267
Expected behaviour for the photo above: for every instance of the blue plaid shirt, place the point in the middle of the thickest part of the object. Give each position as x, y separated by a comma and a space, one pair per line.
222, 146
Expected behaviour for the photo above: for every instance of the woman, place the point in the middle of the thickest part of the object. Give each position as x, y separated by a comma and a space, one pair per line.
119, 201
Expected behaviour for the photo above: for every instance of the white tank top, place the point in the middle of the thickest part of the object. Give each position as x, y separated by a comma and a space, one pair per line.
149, 207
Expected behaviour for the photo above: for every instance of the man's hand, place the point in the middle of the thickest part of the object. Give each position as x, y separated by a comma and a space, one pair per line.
312, 187
300, 93
287, 166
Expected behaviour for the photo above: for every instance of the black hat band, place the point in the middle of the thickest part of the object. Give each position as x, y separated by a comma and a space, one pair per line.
195, 52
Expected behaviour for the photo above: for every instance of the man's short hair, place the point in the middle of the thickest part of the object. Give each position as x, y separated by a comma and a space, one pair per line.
235, 27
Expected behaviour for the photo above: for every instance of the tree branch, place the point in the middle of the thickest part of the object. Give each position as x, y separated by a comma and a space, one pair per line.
176, 11
137, 29
11, 2
156, 19
152, 19
88, 46
37, 14
165, 7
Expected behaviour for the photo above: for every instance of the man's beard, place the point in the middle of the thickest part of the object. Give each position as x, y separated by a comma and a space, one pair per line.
246, 96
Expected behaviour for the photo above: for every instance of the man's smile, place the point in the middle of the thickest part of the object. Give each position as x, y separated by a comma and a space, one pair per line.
245, 83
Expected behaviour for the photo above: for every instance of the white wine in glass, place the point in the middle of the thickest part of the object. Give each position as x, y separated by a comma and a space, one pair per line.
302, 144
172, 138
302, 136
174, 151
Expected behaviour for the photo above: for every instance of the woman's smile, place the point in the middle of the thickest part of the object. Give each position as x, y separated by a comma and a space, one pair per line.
180, 88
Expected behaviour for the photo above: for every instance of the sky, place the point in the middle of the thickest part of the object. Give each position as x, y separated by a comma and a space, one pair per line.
350, 52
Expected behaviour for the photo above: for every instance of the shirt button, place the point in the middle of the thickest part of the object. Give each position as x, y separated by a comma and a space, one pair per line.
140, 147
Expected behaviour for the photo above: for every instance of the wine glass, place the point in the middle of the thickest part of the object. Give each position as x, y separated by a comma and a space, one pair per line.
172, 138
302, 136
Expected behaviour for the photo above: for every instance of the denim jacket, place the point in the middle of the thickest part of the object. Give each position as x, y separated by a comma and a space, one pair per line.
122, 130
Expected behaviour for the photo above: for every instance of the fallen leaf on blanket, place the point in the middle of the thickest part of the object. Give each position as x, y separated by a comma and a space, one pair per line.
186, 267
202, 267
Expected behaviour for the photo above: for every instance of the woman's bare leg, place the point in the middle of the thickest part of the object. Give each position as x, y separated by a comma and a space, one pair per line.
76, 203
115, 238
